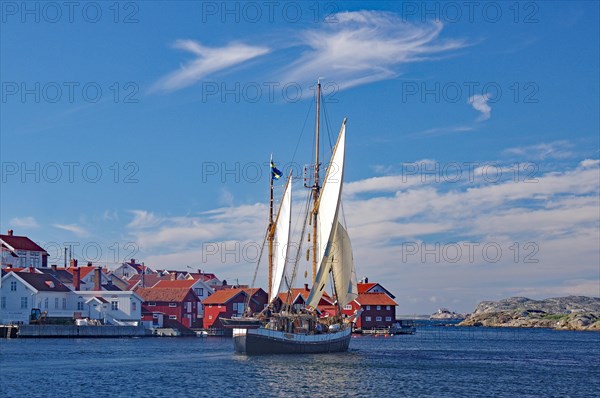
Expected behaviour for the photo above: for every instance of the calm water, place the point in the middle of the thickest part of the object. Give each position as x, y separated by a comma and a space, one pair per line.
436, 362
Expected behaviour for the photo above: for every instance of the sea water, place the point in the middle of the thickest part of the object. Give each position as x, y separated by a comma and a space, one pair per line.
434, 362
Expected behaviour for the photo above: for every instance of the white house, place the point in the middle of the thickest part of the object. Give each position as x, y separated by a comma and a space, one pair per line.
20, 251
22, 291
111, 307
127, 270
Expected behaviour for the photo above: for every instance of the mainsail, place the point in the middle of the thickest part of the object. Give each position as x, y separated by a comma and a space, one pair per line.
281, 238
328, 207
342, 267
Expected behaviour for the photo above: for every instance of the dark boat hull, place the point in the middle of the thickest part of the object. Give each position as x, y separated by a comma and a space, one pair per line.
265, 341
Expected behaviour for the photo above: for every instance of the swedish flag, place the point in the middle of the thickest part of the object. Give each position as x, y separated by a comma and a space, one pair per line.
275, 173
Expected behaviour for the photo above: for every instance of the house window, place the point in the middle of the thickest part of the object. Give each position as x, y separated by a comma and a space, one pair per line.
64, 304
368, 318
151, 304
219, 306
133, 306
46, 303
378, 319
13, 286
114, 305
210, 317
56, 303
172, 305
199, 291
172, 316
23, 302
80, 306
155, 316
3, 303
378, 307
348, 307
368, 308
388, 318
387, 307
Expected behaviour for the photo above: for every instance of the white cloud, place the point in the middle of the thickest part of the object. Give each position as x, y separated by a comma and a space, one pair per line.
74, 228
557, 213
24, 222
479, 103
366, 46
547, 150
589, 163
208, 60
143, 219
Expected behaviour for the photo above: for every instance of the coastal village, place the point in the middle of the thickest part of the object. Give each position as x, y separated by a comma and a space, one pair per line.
136, 295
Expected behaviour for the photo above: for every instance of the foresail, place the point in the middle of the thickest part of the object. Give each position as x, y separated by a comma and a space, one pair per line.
328, 207
342, 267
281, 238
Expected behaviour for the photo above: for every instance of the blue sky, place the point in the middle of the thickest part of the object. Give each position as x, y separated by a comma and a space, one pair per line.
194, 97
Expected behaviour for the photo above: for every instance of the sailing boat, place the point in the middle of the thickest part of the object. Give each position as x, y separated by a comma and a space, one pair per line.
289, 331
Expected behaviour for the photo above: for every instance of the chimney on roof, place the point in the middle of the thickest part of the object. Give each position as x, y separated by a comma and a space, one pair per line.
306, 287
224, 282
97, 278
76, 279
73, 263
200, 271
10, 232
9, 266
89, 263
31, 270
174, 276
132, 261
54, 267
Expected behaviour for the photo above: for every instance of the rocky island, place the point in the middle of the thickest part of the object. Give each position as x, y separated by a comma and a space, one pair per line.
564, 313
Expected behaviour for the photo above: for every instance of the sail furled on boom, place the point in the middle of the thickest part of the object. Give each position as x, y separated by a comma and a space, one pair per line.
327, 213
342, 267
281, 238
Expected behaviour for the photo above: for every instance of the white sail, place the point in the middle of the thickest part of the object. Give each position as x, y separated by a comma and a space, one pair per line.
342, 267
281, 238
328, 207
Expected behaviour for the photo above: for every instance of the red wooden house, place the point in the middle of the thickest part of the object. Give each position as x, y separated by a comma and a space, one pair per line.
378, 310
179, 305
231, 302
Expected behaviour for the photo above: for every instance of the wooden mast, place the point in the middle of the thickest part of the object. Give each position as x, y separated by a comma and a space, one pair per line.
316, 185
271, 231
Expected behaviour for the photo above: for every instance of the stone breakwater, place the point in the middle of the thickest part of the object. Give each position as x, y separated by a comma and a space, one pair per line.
563, 313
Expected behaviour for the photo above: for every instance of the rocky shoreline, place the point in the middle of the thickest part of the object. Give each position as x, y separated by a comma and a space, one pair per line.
562, 313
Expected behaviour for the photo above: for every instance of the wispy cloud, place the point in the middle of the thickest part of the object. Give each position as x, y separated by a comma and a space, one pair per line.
74, 228
548, 150
208, 60
143, 219
361, 47
479, 102
24, 222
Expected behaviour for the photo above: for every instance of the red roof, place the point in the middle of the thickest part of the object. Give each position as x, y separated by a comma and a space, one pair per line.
226, 295
187, 283
375, 299
204, 276
83, 271
365, 287
22, 243
149, 280
166, 295
295, 292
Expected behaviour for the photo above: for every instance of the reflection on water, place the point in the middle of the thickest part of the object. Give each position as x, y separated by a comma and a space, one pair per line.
435, 362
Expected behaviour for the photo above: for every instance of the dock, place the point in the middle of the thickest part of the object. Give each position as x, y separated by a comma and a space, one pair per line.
40, 331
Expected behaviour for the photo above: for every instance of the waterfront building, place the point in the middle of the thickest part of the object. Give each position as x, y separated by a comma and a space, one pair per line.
20, 251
